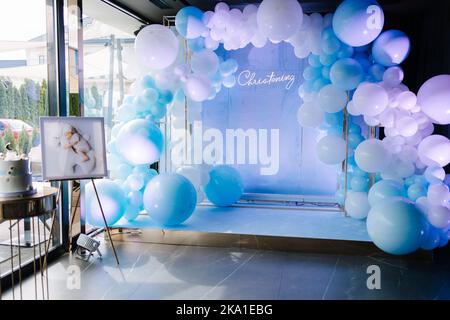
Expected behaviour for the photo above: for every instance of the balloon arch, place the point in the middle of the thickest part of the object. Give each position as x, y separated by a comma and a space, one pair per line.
396, 183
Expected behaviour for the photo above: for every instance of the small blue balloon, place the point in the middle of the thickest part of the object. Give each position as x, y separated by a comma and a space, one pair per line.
148, 82
314, 61
197, 44
228, 67
345, 51
363, 60
340, 197
334, 119
354, 128
431, 239
417, 190
158, 110
170, 199
359, 184
377, 72
329, 42
396, 226
346, 74
310, 73
327, 59
391, 48
165, 97
354, 140
319, 84
225, 186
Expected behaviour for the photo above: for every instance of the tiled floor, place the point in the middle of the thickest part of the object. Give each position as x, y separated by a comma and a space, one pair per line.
151, 271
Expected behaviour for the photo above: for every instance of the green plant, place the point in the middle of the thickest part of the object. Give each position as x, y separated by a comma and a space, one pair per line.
2, 145
24, 143
9, 138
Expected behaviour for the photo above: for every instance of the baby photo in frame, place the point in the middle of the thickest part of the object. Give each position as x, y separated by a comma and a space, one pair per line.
73, 148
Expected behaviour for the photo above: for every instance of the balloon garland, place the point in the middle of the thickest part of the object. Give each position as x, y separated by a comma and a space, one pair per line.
353, 71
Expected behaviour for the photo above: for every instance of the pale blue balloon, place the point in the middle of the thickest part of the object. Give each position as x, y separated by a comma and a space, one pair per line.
340, 197
158, 110
345, 51
123, 171
170, 199
131, 212
327, 59
225, 186
329, 42
359, 184
377, 72
228, 67
396, 226
346, 74
326, 72
188, 22
165, 96
197, 44
148, 82
135, 198
319, 84
391, 48
310, 73
354, 128
146, 172
314, 61
358, 22
354, 140
383, 190
112, 199
334, 119
417, 190
358, 172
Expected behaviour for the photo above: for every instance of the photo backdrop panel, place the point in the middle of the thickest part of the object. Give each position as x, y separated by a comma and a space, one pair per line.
266, 98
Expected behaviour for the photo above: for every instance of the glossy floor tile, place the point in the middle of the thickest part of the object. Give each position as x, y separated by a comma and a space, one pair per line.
153, 271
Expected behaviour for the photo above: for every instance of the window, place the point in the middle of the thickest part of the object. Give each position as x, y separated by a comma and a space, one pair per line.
27, 45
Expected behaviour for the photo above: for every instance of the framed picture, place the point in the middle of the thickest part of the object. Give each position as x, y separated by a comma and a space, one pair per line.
73, 148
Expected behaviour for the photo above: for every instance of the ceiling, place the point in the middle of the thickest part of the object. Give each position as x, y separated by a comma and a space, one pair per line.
153, 11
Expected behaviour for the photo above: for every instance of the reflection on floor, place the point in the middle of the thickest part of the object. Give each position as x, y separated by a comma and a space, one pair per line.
152, 271
311, 223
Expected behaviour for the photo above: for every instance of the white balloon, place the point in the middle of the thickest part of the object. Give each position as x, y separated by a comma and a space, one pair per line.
408, 153
407, 126
279, 20
331, 149
357, 205
438, 194
407, 100
439, 216
332, 99
310, 115
371, 99
371, 156
353, 109
434, 174
156, 46
434, 98
371, 121
198, 88
435, 150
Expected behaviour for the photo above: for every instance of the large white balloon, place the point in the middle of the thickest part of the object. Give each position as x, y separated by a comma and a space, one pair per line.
434, 98
371, 99
156, 46
438, 194
435, 150
279, 20
310, 115
371, 156
332, 99
439, 216
331, 150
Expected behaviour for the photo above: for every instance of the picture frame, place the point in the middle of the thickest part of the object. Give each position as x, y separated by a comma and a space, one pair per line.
73, 148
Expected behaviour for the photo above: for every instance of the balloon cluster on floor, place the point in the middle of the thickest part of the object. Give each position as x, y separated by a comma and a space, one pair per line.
353, 76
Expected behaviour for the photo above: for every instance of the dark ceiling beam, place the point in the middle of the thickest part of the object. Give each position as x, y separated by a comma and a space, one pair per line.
128, 11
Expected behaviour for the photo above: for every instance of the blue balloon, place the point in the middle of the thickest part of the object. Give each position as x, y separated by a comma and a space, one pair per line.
391, 48
330, 43
346, 74
327, 59
345, 51
158, 110
112, 199
358, 172
170, 199
197, 44
354, 128
146, 172
310, 73
148, 82
319, 84
363, 60
340, 197
417, 190
354, 140
431, 239
165, 97
396, 226
189, 22
225, 186
334, 119
314, 61
377, 72
358, 22
326, 72
383, 190
123, 171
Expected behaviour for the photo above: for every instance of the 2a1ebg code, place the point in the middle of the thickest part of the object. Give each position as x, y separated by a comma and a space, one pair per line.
246, 309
